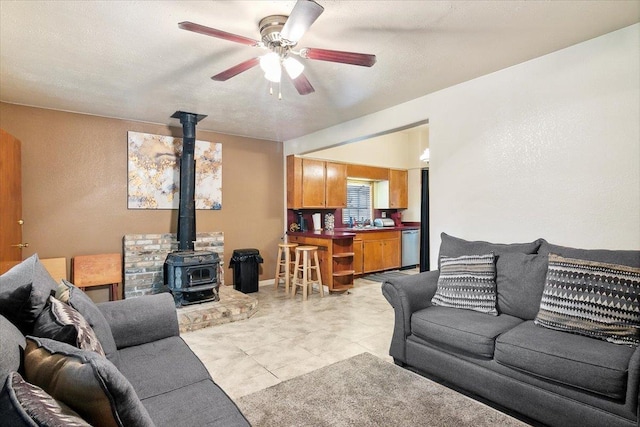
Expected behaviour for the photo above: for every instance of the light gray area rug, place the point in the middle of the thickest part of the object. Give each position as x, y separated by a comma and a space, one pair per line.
386, 275
366, 391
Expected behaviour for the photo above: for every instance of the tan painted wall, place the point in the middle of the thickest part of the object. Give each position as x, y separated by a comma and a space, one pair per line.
74, 180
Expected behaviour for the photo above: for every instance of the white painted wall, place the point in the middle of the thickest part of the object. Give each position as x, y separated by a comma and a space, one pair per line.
548, 148
389, 151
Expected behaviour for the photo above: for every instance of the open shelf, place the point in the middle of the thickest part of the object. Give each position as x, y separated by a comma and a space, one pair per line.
343, 255
343, 273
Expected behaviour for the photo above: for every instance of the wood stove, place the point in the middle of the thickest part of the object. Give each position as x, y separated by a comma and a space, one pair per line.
191, 276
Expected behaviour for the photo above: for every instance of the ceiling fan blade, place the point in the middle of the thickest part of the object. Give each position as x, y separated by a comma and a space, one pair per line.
208, 31
352, 58
302, 84
303, 15
234, 71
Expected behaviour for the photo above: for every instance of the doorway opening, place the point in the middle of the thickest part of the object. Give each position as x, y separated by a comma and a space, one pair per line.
405, 147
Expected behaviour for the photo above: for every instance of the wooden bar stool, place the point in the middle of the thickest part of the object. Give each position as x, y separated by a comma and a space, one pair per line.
98, 270
284, 265
306, 262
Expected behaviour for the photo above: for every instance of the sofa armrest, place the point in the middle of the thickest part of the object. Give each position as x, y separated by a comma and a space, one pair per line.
408, 295
141, 320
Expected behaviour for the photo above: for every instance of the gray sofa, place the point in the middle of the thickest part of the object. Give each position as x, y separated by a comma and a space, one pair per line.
147, 376
550, 376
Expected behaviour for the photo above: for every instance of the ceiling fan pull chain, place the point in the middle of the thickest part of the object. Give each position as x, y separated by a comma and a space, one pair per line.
279, 92
270, 88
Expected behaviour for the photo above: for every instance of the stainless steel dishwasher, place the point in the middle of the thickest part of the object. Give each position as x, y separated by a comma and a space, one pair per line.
410, 248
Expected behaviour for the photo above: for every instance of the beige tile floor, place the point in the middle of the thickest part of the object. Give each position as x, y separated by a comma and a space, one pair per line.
288, 337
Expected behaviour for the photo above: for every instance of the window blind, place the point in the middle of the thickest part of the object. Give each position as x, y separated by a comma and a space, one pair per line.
358, 202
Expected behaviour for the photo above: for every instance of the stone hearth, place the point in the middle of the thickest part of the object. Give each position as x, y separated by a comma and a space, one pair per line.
233, 306
144, 256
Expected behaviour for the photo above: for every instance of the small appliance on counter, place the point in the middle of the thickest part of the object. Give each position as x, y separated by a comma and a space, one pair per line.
383, 222
329, 222
317, 222
302, 223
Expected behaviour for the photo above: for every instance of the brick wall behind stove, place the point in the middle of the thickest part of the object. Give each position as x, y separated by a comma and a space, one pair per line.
144, 256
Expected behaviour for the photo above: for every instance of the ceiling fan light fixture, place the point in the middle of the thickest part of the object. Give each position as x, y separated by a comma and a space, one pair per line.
293, 67
270, 64
273, 75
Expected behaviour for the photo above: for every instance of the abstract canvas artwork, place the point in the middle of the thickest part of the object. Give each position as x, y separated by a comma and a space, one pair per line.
154, 172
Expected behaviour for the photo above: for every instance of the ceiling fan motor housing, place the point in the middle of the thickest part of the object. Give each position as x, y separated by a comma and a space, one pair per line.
270, 29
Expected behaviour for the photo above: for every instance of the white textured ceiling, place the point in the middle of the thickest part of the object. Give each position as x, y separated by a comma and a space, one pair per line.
128, 59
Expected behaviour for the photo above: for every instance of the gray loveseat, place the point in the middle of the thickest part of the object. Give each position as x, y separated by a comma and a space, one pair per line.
551, 376
147, 375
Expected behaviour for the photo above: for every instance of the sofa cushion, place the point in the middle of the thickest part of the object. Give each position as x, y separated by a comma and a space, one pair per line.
24, 290
24, 404
574, 360
467, 282
629, 258
520, 280
12, 345
61, 322
85, 381
461, 330
202, 403
180, 367
591, 298
72, 295
454, 246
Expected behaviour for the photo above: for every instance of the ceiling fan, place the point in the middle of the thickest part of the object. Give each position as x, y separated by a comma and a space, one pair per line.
280, 34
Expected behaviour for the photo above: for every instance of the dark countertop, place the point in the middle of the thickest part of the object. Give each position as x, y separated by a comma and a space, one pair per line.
342, 233
368, 229
322, 234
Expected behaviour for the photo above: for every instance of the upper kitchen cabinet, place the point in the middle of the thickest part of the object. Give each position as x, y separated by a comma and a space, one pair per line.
398, 184
336, 185
392, 193
371, 173
315, 183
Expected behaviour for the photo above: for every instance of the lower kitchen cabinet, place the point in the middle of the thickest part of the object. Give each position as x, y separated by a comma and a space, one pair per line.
381, 250
358, 248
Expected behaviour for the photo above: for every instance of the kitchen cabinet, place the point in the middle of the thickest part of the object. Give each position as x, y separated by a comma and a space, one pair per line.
398, 185
336, 185
392, 193
315, 183
358, 247
381, 250
335, 256
371, 173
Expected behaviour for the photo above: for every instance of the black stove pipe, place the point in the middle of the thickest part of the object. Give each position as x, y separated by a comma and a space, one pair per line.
187, 205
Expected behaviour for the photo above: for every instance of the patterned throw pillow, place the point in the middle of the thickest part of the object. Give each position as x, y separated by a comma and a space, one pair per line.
69, 293
88, 383
468, 282
24, 404
590, 298
62, 322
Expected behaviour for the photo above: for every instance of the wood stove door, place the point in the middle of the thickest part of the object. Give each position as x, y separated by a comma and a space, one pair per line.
11, 201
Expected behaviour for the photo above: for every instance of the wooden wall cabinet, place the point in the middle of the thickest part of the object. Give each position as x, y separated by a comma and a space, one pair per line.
315, 184
335, 185
372, 173
398, 185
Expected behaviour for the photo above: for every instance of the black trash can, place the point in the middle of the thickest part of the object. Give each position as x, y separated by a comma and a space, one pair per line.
245, 269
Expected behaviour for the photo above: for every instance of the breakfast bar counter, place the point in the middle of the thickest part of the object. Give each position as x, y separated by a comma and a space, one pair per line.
335, 254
